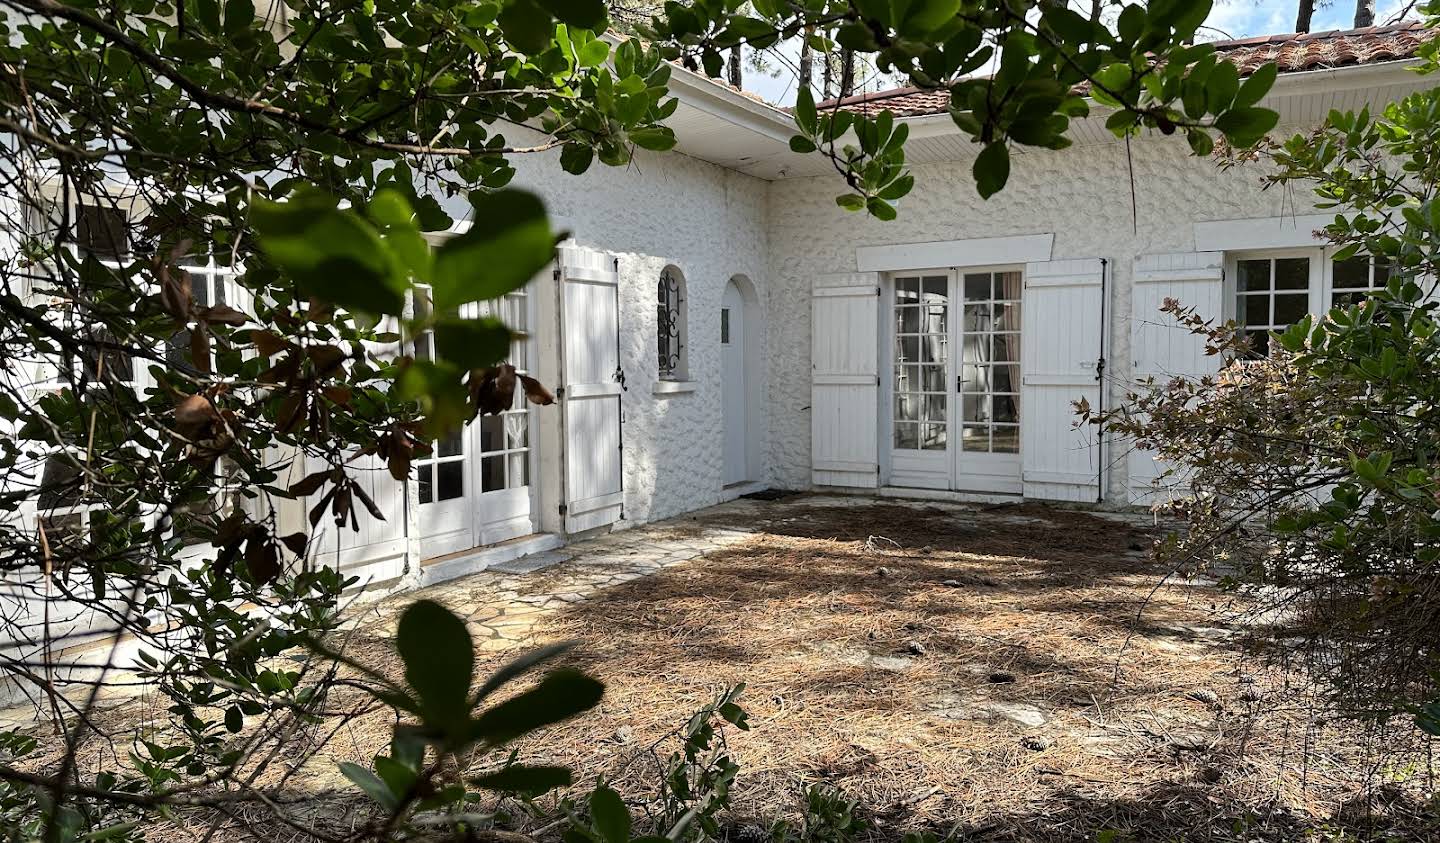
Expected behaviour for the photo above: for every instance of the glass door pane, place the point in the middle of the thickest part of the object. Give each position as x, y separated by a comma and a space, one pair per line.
921, 355
989, 374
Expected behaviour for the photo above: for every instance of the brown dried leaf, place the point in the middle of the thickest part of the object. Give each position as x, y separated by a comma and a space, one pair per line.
175, 292
339, 394
291, 416
296, 542
200, 349
536, 391
222, 314
193, 413
262, 559
311, 484
327, 358
268, 343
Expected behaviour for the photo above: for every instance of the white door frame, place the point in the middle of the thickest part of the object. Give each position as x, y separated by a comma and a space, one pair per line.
951, 468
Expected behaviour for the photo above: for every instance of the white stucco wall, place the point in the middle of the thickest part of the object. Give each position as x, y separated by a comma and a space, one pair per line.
710, 223
1082, 195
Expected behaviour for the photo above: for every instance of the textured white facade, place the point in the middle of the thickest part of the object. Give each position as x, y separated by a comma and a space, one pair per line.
709, 222
1082, 195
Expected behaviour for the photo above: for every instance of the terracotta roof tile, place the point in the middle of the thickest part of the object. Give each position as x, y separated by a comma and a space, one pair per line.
1292, 53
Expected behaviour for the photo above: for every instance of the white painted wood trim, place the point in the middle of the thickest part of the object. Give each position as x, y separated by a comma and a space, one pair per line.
673, 387
983, 251
1263, 233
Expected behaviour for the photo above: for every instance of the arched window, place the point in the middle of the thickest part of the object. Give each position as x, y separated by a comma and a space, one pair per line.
670, 319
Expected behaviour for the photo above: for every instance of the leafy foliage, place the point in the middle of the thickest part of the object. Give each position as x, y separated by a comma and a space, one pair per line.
1016, 73
1311, 472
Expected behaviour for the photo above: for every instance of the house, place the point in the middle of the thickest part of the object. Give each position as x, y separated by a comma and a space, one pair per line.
716, 325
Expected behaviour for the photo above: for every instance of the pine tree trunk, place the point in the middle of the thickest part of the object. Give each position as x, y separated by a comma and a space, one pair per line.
734, 76
807, 62
1302, 20
1364, 13
847, 73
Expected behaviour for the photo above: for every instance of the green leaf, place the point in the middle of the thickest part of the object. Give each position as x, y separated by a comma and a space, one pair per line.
656, 138
560, 695
473, 343
1245, 126
801, 144
880, 209
234, 718
992, 169
508, 243
1254, 88
526, 26
370, 783
439, 662
331, 254
805, 115
594, 53
611, 817
851, 202
239, 14
517, 778
575, 158
586, 14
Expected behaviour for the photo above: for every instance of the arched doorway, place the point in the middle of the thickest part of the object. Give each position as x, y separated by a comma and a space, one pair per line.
739, 356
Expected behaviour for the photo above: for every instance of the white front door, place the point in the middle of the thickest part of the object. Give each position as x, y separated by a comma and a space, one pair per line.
955, 381
732, 370
474, 487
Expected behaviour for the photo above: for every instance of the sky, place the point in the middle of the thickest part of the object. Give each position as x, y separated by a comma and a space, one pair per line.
1229, 19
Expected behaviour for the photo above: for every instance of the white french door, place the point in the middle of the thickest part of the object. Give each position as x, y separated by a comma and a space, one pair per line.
955, 383
475, 485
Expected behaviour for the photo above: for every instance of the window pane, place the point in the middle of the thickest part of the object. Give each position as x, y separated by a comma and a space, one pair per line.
974, 378
907, 436
449, 480
1007, 348
975, 438
517, 430
933, 348
1351, 273
724, 326
1384, 271
935, 408
977, 348
935, 320
907, 378
907, 290
1252, 275
936, 289
451, 446
1007, 317
907, 407
907, 321
977, 317
1006, 409
932, 437
1007, 286
492, 433
1006, 440
101, 231
908, 349
1291, 308
424, 474
1292, 273
492, 473
1256, 310
60, 483
977, 286
976, 408
1259, 342
519, 474
1006, 378
932, 378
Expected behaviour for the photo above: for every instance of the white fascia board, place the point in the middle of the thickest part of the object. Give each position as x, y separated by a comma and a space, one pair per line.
981, 251
1264, 233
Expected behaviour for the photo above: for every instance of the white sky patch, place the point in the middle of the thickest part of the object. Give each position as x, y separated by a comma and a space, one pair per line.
1228, 19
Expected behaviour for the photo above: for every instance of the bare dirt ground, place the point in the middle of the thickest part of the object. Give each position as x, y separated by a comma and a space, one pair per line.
1007, 673
1014, 673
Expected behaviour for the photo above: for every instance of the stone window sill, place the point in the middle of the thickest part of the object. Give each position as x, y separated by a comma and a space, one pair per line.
673, 387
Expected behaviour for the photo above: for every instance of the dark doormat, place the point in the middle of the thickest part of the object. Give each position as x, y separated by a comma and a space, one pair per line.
770, 495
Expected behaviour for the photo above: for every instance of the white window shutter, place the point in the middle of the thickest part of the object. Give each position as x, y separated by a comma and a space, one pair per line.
1162, 349
1062, 340
591, 382
845, 382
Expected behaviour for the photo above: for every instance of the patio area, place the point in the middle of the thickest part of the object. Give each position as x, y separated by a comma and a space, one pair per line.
1013, 672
